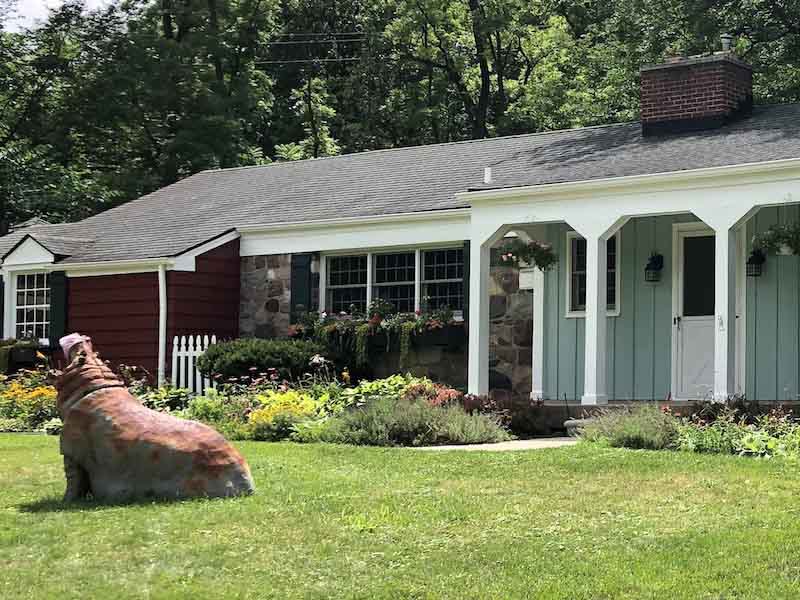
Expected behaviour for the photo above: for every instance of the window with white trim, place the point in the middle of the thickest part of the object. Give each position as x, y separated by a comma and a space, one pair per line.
394, 278
32, 307
347, 283
576, 275
443, 279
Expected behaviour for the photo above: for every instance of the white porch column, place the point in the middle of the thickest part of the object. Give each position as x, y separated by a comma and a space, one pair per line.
537, 372
594, 387
478, 381
725, 314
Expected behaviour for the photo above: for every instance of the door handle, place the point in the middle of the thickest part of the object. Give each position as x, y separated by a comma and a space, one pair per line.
676, 321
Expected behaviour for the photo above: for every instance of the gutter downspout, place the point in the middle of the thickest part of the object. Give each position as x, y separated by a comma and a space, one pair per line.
162, 323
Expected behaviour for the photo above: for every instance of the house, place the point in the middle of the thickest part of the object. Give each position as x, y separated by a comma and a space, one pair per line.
236, 251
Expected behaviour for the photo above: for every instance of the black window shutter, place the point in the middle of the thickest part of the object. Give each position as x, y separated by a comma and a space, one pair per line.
58, 307
300, 285
466, 280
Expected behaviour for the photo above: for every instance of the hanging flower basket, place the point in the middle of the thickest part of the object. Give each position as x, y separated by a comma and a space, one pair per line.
516, 253
783, 240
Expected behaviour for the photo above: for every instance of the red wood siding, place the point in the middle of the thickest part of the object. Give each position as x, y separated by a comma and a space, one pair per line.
120, 313
207, 300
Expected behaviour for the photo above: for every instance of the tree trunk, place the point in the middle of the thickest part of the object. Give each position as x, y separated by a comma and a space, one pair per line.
482, 106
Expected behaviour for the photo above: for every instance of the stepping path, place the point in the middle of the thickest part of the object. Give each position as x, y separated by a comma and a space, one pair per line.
535, 444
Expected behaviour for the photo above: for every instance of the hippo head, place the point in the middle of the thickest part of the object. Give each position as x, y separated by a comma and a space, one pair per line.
74, 344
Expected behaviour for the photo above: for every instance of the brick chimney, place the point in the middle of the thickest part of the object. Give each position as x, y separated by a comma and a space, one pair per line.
690, 94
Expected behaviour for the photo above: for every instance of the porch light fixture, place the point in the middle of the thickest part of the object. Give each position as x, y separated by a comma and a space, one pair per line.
755, 263
655, 264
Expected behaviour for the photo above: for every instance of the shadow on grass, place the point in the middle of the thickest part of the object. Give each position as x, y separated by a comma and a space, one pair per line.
55, 504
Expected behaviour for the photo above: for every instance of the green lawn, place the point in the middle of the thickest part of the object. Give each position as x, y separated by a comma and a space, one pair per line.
579, 522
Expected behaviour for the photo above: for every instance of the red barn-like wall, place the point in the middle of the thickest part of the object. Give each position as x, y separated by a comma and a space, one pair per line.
205, 301
120, 312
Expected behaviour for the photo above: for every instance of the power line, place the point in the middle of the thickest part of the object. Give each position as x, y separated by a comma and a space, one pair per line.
304, 60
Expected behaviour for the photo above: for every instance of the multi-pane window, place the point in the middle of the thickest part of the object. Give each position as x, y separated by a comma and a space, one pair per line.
443, 279
347, 283
394, 279
577, 274
33, 306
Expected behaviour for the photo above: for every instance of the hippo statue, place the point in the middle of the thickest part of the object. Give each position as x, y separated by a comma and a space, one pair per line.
118, 450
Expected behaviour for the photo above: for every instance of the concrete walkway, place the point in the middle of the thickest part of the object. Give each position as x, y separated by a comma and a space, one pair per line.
536, 444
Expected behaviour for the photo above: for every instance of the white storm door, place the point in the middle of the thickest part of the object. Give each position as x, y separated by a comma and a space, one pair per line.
693, 313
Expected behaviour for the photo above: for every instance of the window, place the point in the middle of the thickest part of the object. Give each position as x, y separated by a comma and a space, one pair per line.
347, 283
443, 279
576, 276
32, 318
394, 277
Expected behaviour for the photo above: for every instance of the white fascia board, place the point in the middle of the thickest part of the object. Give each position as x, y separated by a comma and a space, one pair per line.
29, 252
187, 262
696, 178
121, 267
407, 230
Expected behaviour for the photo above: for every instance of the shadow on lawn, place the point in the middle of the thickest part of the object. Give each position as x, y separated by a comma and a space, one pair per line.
56, 504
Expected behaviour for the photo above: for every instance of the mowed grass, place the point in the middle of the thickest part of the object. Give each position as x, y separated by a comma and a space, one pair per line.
340, 522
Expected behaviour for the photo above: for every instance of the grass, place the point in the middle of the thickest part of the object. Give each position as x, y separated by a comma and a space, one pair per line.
331, 521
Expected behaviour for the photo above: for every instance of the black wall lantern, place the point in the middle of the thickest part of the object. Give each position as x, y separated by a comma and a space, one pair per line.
755, 264
652, 272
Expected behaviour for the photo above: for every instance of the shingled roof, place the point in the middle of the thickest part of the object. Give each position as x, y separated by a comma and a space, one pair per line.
181, 216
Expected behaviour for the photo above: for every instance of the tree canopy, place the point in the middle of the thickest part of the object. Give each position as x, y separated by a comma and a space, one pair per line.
99, 107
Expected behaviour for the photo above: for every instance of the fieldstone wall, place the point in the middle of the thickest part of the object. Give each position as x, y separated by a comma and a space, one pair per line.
265, 296
439, 363
510, 334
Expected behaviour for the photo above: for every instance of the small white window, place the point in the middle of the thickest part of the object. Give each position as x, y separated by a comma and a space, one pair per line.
347, 283
394, 279
443, 279
576, 274
32, 310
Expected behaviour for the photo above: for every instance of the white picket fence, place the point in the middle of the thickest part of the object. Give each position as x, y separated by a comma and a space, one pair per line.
185, 351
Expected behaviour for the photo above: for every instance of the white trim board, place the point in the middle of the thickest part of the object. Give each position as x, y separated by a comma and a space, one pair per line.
366, 234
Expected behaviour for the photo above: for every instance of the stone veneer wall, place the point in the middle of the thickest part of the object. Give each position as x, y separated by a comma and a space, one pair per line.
265, 309
265, 313
265, 296
510, 333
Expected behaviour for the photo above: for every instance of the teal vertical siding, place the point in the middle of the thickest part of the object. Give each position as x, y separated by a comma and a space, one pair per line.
639, 339
773, 318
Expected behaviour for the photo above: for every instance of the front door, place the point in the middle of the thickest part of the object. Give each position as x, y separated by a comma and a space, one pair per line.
693, 313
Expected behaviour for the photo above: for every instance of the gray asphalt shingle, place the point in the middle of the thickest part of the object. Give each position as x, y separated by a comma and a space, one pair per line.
198, 208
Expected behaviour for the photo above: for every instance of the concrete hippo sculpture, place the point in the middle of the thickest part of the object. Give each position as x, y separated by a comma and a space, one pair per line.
117, 450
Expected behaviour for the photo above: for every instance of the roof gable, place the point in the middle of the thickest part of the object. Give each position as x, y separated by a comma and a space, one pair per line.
28, 251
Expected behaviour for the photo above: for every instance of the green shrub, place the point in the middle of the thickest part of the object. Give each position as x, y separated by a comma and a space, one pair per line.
28, 398
392, 422
279, 412
13, 425
209, 408
245, 357
772, 434
53, 427
643, 426
166, 398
